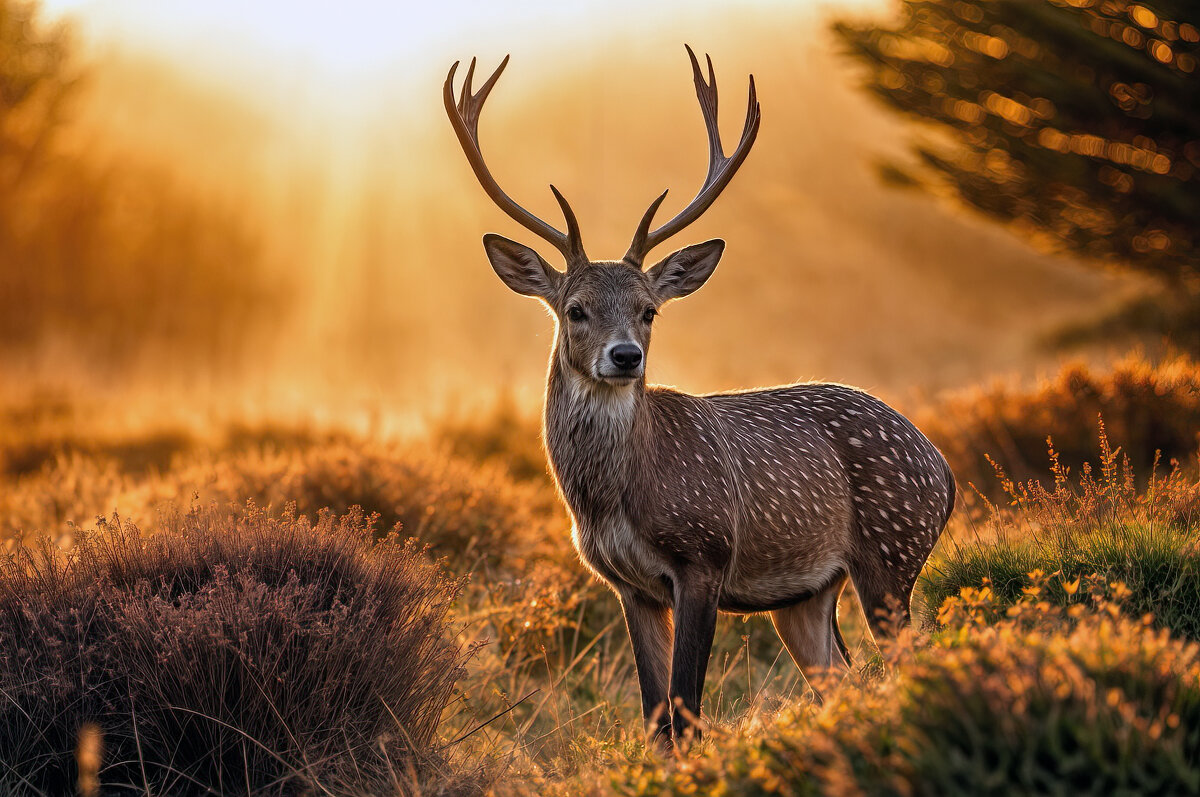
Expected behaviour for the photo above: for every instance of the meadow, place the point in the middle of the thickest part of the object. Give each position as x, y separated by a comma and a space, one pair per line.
275, 514
302, 608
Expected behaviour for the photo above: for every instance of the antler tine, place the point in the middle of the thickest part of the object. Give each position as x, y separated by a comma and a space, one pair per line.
637, 249
574, 240
464, 117
720, 168
707, 94
466, 86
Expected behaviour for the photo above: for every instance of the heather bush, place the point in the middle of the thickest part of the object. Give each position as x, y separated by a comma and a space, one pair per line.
251, 654
475, 515
1153, 408
1041, 702
1034, 706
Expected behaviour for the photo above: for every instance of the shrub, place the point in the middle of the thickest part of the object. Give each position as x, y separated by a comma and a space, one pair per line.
1040, 703
1151, 407
256, 654
474, 515
1099, 525
1105, 707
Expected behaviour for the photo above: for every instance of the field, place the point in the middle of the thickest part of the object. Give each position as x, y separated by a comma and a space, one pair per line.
1056, 618
275, 512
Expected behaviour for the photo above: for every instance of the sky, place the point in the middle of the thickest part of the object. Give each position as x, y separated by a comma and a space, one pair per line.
336, 153
352, 37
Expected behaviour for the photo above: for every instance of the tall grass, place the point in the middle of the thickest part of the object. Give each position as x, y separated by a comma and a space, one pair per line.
475, 515
1094, 530
261, 655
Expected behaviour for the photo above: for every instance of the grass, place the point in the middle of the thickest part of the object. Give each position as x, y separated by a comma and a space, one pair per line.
1099, 530
1037, 703
1084, 580
475, 515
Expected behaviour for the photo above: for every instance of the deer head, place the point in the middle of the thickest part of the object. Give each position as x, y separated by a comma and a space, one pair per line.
604, 308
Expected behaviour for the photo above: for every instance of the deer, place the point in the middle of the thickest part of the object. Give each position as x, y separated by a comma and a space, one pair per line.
757, 501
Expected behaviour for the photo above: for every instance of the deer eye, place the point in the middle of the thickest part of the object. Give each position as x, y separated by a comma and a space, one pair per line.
648, 316
575, 313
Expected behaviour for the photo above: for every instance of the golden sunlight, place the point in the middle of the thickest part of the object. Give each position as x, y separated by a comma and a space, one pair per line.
326, 467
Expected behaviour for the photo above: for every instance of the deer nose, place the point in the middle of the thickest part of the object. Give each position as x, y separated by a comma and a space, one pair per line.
626, 356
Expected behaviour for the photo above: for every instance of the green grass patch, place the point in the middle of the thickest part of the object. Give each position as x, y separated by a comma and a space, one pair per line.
1158, 566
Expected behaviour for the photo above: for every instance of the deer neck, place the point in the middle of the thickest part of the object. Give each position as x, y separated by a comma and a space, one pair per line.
592, 437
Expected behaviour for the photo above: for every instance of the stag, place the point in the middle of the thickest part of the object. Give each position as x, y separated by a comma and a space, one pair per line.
765, 500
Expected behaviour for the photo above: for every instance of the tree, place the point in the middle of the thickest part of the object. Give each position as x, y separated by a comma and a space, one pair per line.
105, 249
1078, 121
35, 82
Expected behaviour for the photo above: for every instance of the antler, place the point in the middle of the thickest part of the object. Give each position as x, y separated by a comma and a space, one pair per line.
720, 168
464, 116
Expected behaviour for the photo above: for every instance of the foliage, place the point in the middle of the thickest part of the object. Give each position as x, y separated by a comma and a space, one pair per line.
1152, 408
1041, 702
1092, 533
475, 515
35, 81
259, 654
109, 254
1036, 704
1074, 119
550, 687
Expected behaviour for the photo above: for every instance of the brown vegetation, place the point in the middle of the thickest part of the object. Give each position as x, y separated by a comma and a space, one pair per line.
1038, 703
1152, 410
260, 654
551, 669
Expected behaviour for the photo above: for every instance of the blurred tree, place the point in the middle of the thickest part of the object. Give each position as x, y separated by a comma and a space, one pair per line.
1076, 120
108, 252
35, 82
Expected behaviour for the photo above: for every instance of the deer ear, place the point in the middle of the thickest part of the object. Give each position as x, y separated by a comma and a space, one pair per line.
683, 272
521, 268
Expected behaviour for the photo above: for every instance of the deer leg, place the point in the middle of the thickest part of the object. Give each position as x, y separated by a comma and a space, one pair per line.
885, 603
649, 626
810, 632
838, 641
695, 623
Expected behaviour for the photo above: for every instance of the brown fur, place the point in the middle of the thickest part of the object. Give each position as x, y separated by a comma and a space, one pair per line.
763, 500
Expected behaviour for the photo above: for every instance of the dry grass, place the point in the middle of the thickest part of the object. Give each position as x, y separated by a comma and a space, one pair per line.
548, 700
1041, 701
1150, 407
474, 515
